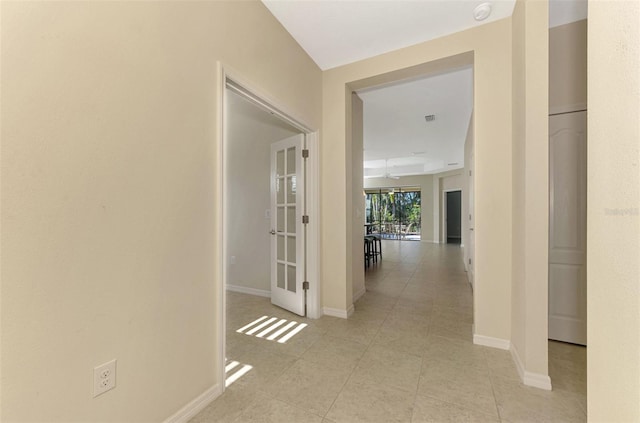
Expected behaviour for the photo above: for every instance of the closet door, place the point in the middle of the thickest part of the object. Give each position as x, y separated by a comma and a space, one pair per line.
567, 227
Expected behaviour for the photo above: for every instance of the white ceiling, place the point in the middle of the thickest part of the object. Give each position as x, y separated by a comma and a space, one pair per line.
335, 32
338, 32
395, 128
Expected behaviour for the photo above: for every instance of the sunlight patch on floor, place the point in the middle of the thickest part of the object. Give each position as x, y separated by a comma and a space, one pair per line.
264, 326
234, 370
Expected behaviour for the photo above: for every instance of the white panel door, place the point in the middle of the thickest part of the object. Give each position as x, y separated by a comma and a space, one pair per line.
288, 234
568, 228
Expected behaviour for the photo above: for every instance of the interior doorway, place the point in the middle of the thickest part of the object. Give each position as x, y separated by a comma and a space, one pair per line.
250, 133
429, 163
247, 254
453, 216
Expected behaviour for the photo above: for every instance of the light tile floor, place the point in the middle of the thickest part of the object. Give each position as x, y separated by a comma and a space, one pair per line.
406, 355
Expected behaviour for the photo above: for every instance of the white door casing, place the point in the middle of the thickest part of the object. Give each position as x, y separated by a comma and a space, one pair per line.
567, 227
472, 235
288, 252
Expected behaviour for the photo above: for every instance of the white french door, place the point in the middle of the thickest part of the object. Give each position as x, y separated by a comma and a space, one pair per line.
287, 230
567, 227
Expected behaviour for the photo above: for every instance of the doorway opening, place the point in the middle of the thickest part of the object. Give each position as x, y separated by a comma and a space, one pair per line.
453, 217
268, 212
567, 251
402, 133
414, 128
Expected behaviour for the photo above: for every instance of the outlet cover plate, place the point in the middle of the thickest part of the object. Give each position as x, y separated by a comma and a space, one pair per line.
104, 378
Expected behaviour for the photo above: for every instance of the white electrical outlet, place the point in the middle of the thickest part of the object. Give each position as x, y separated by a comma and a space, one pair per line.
104, 378
233, 260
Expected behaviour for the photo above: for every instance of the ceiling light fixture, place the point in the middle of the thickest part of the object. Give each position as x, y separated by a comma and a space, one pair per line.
482, 11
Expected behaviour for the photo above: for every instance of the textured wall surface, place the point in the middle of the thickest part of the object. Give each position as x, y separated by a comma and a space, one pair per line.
613, 221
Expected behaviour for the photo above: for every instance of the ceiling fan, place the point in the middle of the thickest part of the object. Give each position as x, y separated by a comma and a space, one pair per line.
386, 171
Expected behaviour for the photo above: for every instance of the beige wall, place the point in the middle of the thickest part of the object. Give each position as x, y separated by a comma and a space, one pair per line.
250, 133
568, 67
613, 226
490, 45
358, 212
425, 183
530, 190
108, 179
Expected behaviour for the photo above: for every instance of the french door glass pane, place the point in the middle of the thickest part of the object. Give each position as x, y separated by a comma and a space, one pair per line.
291, 249
280, 219
281, 247
280, 276
291, 219
291, 278
280, 190
291, 160
280, 163
291, 189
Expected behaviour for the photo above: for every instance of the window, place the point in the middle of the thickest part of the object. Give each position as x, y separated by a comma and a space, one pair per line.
393, 212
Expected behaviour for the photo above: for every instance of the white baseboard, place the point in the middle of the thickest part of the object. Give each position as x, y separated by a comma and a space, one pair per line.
516, 359
359, 294
187, 412
336, 312
250, 291
488, 341
535, 380
350, 310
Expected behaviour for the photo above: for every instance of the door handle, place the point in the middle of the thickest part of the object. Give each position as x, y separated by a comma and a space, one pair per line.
272, 232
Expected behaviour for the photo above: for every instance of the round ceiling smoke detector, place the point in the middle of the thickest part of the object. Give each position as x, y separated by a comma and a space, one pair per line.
482, 11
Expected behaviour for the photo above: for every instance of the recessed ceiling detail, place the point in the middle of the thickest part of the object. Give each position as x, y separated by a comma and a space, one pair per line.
396, 138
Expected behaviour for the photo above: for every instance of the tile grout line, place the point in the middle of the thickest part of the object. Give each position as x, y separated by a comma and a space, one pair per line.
442, 274
493, 389
359, 359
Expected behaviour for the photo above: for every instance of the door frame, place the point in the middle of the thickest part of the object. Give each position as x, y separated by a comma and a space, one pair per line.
229, 78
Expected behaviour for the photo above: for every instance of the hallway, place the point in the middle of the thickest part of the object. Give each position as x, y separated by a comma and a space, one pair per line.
406, 355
